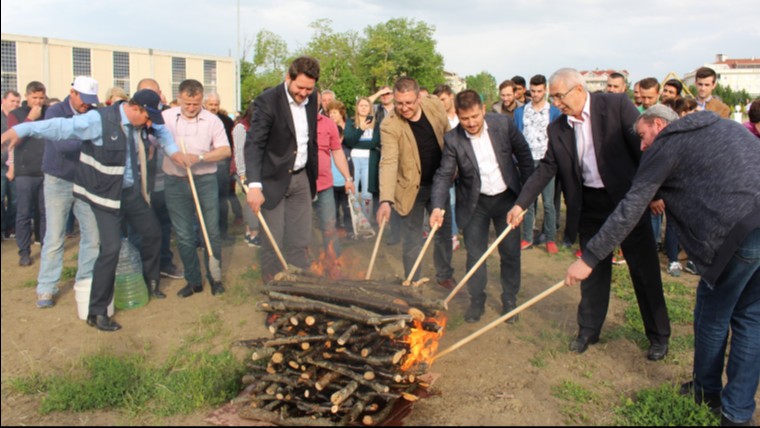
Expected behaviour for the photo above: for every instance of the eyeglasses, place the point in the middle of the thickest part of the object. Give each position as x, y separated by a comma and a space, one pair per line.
560, 97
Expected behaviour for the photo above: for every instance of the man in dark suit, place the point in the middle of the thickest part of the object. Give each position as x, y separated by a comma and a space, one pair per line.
281, 163
479, 153
594, 152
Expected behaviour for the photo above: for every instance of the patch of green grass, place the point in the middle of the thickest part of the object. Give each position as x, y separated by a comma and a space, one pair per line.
539, 360
68, 272
663, 406
680, 309
676, 288
29, 283
573, 392
74, 257
29, 385
238, 294
251, 275
208, 327
682, 343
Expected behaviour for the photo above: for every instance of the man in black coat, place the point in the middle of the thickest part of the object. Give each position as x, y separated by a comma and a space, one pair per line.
594, 152
479, 152
281, 163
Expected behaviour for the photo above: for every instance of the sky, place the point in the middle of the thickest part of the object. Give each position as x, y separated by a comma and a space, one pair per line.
502, 37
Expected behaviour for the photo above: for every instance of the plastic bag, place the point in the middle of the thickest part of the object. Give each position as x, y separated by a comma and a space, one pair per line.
130, 290
362, 228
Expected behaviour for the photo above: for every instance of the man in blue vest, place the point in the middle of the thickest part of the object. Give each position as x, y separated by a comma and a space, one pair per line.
108, 178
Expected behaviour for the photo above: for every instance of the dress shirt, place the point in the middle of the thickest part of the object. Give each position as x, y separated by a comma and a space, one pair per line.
491, 181
201, 134
302, 129
584, 143
89, 126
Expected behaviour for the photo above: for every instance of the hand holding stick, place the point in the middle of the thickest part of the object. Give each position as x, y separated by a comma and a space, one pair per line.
264, 226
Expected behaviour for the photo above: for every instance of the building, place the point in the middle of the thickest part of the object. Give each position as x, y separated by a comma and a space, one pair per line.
456, 83
736, 74
56, 62
596, 80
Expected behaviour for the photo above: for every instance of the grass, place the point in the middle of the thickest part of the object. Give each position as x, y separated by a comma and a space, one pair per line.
187, 381
29, 283
68, 272
573, 392
663, 406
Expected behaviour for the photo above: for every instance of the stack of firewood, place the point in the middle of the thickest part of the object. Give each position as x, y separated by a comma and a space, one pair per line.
343, 352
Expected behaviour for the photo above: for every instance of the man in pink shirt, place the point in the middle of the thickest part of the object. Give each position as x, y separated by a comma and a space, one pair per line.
203, 136
328, 143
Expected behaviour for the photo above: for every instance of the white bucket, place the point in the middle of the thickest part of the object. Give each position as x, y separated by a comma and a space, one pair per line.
82, 296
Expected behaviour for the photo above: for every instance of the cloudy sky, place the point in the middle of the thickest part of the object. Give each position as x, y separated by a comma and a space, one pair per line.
502, 37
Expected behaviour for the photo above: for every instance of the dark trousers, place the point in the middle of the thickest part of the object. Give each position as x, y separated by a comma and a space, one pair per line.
141, 218
30, 206
7, 202
158, 203
493, 209
643, 264
223, 182
413, 240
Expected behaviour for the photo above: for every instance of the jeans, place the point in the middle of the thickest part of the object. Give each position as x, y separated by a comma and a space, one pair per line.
158, 203
452, 206
493, 209
550, 219
657, 226
412, 238
324, 207
671, 241
59, 202
179, 201
31, 199
223, 183
8, 213
732, 304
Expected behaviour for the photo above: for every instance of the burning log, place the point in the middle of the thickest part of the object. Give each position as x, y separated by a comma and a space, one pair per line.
343, 352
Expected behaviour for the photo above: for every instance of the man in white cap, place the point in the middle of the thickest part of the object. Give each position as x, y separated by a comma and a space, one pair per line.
59, 164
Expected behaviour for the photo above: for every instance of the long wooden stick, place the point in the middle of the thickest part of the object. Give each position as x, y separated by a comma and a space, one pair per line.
374, 251
422, 252
501, 319
214, 268
264, 225
480, 261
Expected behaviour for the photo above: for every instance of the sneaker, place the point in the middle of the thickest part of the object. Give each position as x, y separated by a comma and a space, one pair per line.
173, 272
691, 268
674, 269
525, 245
256, 241
25, 260
578, 253
617, 258
45, 300
454, 243
551, 247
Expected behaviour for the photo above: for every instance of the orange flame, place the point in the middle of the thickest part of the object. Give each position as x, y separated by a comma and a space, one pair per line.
329, 265
423, 341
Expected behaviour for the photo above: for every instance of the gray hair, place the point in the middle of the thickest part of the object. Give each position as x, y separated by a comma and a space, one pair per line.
657, 111
569, 76
213, 95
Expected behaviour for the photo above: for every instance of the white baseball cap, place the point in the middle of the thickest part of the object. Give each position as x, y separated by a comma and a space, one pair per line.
87, 88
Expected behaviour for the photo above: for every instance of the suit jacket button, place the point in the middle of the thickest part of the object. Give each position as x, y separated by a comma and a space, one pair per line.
290, 171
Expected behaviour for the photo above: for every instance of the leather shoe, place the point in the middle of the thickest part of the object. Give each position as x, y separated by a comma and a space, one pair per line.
580, 344
155, 291
102, 323
473, 313
657, 352
448, 284
507, 310
711, 400
217, 288
189, 290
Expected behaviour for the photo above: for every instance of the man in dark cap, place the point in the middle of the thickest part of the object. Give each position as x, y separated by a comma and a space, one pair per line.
108, 178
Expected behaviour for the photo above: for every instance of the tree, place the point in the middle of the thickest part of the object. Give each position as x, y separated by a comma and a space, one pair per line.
338, 55
400, 47
268, 65
485, 84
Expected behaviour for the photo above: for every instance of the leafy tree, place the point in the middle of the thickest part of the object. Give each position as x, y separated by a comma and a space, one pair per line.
485, 84
338, 55
268, 65
400, 47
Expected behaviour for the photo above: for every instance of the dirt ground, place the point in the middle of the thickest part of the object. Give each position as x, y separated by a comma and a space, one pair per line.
505, 377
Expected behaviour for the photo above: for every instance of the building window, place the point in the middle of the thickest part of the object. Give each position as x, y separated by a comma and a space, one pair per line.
9, 73
209, 76
82, 65
121, 70
179, 73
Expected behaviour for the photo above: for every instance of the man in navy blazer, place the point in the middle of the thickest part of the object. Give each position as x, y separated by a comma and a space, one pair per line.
595, 153
281, 163
479, 153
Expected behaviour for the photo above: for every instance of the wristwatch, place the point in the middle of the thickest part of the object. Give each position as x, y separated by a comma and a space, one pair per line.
200, 157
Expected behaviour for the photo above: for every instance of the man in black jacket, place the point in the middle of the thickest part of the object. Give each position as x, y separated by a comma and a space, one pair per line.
595, 153
706, 170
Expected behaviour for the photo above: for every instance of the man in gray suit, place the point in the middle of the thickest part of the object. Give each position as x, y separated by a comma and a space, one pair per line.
478, 152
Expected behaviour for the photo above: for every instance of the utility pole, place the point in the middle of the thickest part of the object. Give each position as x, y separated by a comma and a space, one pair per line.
237, 62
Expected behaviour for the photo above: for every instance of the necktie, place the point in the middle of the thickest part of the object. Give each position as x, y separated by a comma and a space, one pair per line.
143, 169
132, 156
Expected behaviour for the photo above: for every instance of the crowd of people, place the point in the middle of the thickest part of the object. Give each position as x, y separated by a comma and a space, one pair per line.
135, 168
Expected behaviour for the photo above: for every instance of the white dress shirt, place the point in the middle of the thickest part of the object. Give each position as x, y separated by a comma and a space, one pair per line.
491, 181
302, 129
584, 143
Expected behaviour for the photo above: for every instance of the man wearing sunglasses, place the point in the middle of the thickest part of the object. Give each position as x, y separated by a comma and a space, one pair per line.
594, 152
